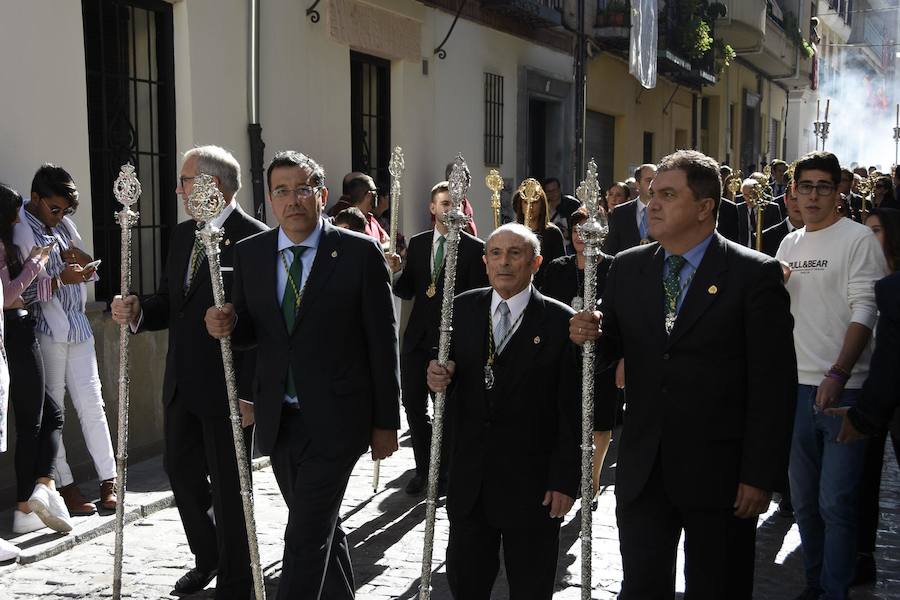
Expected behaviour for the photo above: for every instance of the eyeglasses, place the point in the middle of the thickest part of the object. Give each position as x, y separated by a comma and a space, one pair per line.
184, 179
55, 210
302, 192
822, 188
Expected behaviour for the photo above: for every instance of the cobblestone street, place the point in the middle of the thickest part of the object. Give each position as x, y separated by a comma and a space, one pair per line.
386, 531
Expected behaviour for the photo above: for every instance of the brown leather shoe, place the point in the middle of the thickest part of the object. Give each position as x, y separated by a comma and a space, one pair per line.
108, 498
76, 503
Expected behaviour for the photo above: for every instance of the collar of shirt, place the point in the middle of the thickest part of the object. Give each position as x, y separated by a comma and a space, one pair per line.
693, 256
312, 241
223, 216
516, 304
790, 225
639, 210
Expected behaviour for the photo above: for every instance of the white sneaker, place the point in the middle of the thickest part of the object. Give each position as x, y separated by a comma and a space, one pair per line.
8, 551
50, 508
26, 522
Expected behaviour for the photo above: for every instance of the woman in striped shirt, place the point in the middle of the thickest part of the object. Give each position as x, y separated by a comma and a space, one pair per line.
57, 298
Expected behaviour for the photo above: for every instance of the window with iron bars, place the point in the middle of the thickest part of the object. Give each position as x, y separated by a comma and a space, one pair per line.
493, 120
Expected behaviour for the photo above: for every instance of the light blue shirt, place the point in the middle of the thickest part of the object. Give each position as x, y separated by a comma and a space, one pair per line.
692, 260
311, 244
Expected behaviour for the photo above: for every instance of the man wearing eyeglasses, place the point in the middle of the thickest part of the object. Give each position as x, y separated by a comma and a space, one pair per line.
57, 300
834, 263
199, 455
326, 388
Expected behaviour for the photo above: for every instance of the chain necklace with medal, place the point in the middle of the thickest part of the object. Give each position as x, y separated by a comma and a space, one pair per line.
432, 287
489, 367
672, 314
298, 292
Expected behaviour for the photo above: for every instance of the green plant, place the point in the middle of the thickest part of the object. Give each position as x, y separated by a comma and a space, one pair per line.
807, 48
725, 55
693, 32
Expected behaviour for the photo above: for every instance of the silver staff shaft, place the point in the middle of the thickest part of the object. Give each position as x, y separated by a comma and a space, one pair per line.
587, 432
211, 236
376, 475
455, 220
127, 218
592, 232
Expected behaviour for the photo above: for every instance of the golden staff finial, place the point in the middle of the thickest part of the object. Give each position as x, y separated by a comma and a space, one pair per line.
494, 182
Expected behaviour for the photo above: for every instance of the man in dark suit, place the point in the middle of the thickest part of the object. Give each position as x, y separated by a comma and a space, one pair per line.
728, 223
315, 301
422, 280
747, 212
697, 453
198, 439
628, 224
771, 237
515, 410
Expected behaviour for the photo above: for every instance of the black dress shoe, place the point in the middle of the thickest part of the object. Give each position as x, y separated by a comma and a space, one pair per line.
194, 580
415, 485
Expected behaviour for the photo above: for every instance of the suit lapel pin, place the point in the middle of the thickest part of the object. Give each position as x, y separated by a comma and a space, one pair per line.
537, 339
713, 289
227, 242
334, 254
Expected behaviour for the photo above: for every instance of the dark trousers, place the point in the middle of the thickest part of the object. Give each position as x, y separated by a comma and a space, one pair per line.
39, 419
719, 548
316, 561
197, 448
415, 396
870, 486
530, 552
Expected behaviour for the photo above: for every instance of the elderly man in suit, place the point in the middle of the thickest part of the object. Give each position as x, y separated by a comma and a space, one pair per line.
515, 410
422, 279
707, 431
327, 387
199, 449
628, 224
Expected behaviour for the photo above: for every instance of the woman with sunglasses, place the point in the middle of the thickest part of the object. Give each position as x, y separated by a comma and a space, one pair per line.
39, 419
57, 299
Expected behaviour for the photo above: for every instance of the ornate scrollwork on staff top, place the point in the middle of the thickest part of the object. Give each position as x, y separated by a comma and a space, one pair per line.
494, 182
127, 188
205, 201
530, 190
395, 167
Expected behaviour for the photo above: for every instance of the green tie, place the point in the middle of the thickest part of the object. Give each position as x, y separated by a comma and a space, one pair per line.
197, 255
438, 257
672, 287
289, 305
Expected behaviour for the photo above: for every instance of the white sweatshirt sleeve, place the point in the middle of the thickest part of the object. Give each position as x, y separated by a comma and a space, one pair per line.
866, 266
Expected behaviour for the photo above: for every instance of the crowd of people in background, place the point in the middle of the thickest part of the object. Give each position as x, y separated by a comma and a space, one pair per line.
815, 312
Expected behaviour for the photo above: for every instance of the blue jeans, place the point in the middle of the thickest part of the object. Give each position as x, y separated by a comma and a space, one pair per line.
825, 478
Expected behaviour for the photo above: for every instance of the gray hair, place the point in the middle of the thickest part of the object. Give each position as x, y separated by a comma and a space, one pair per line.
521, 231
218, 162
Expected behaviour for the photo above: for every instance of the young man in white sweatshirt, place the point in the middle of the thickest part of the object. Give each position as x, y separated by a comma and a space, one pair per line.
834, 264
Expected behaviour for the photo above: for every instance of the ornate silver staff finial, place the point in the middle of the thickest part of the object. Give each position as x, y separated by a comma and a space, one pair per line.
592, 232
204, 204
395, 168
206, 200
127, 190
494, 182
455, 219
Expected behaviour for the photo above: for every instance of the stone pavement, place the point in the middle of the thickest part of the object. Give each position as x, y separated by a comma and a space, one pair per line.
386, 531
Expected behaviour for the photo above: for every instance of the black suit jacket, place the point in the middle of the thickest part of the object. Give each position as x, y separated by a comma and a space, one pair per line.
422, 328
771, 217
623, 229
771, 238
881, 391
728, 223
194, 359
343, 348
714, 400
522, 438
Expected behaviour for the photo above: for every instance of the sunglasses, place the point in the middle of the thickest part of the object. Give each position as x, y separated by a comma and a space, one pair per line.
55, 210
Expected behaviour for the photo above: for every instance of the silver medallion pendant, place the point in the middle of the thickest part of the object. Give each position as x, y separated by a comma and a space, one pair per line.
578, 303
488, 377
